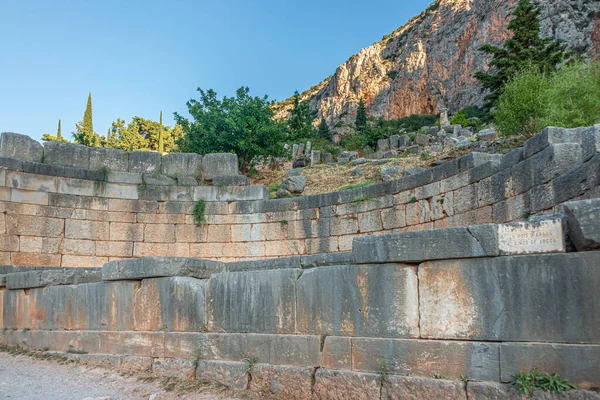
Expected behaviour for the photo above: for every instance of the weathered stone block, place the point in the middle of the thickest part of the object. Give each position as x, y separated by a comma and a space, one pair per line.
174, 304
499, 391
83, 229
230, 193
158, 180
548, 137
145, 162
479, 299
417, 246
34, 225
477, 360
21, 180
337, 385
227, 373
109, 159
175, 367
337, 353
51, 277
15, 309
68, 154
219, 164
264, 301
231, 180
22, 147
126, 231
590, 142
577, 363
176, 165
370, 300
294, 383
28, 196
417, 388
153, 267
584, 223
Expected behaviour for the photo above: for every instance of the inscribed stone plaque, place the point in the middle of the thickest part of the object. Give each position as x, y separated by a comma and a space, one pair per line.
531, 237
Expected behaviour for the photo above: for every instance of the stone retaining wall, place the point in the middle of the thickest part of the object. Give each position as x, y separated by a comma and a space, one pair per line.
356, 325
62, 216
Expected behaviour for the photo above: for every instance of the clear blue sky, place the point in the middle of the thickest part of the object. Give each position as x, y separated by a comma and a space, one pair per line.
140, 57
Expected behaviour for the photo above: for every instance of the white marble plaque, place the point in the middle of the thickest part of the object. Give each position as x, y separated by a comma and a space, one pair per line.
531, 237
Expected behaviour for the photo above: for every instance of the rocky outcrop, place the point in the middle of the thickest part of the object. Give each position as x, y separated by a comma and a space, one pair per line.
429, 63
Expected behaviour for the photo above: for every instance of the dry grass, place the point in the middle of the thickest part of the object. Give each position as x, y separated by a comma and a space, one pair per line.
324, 179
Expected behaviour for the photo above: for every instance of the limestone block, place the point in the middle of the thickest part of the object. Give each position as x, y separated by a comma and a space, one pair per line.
15, 309
315, 157
370, 300
499, 391
395, 141
479, 299
152, 267
415, 388
264, 301
584, 223
418, 246
233, 180
159, 180
487, 134
83, 229
403, 141
590, 142
219, 164
187, 181
114, 160
125, 231
333, 385
29, 197
550, 136
51, 277
577, 363
172, 304
176, 165
145, 162
22, 147
227, 373
383, 145
67, 154
180, 368
294, 383
124, 177
40, 183
31, 225
477, 360
231, 193
422, 140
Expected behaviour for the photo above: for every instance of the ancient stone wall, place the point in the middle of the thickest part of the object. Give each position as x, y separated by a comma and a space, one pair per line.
57, 215
479, 303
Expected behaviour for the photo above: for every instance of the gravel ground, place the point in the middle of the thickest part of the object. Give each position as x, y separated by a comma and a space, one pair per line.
24, 377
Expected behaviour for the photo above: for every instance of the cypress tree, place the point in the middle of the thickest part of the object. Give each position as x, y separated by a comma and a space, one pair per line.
84, 131
58, 132
524, 49
324, 130
161, 144
361, 116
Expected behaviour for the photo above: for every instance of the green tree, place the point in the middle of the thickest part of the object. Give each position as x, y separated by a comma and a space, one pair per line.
300, 120
84, 130
243, 125
48, 137
361, 116
324, 130
525, 48
161, 143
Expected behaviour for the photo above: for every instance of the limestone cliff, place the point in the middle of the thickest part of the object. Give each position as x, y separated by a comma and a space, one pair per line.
429, 63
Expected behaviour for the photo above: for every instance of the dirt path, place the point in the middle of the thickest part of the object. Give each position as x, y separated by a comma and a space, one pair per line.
24, 377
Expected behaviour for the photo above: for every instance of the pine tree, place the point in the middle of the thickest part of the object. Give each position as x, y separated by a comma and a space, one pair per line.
84, 131
161, 143
361, 116
324, 130
300, 120
524, 49
58, 132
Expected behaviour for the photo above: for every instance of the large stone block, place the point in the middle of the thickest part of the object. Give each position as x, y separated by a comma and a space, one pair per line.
477, 360
338, 385
499, 391
172, 304
367, 300
226, 373
294, 383
507, 298
83, 229
177, 165
417, 388
580, 364
145, 162
254, 301
22, 147
15, 309
231, 180
417, 246
590, 142
114, 160
548, 137
153, 267
584, 223
32, 225
219, 164
231, 193
89, 306
51, 277
67, 154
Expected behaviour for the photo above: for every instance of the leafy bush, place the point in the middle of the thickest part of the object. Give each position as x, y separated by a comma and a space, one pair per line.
243, 125
199, 212
460, 118
533, 100
354, 141
526, 382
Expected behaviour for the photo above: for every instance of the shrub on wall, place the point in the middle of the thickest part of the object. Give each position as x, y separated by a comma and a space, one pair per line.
533, 100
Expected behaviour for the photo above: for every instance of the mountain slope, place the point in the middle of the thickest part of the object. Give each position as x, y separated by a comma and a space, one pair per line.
429, 63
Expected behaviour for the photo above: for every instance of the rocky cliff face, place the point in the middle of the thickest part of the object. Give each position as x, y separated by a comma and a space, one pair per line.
429, 63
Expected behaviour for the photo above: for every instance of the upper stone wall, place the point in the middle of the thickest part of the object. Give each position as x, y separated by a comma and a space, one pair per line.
173, 165
54, 220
